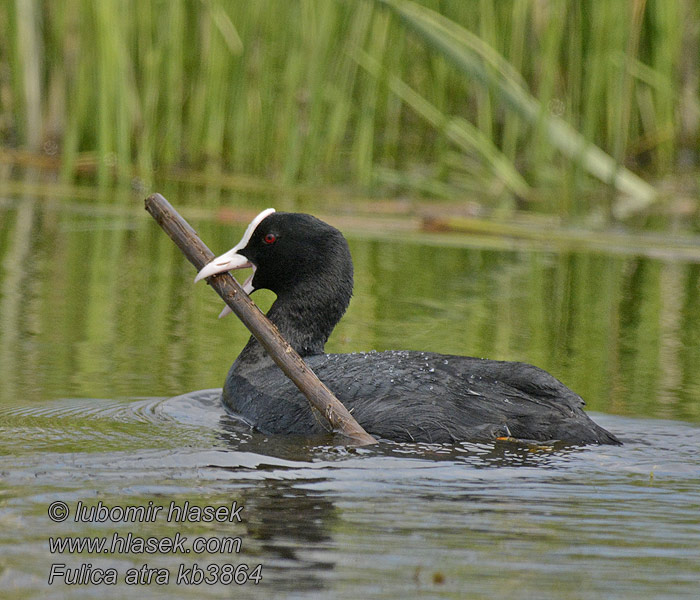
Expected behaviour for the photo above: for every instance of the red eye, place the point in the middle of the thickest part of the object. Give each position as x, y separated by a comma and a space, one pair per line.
270, 238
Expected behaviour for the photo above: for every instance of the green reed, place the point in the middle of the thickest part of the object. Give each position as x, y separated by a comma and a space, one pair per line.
508, 97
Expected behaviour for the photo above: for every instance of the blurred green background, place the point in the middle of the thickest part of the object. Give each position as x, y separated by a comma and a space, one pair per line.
577, 109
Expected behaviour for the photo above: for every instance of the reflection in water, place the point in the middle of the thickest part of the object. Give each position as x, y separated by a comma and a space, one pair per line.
294, 529
291, 523
109, 311
688, 388
332, 521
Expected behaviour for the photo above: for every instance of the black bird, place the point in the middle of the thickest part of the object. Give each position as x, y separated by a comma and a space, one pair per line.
396, 395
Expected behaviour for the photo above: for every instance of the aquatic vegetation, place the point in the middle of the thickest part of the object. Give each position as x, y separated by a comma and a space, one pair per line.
501, 101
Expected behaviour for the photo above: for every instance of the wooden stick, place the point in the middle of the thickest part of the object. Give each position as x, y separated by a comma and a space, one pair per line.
259, 325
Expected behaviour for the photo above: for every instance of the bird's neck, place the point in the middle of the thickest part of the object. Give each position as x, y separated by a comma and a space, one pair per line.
304, 319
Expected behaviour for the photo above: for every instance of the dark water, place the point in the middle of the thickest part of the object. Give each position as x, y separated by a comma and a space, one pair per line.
101, 332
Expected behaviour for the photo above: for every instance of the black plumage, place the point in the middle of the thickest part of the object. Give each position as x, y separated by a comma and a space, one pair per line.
396, 395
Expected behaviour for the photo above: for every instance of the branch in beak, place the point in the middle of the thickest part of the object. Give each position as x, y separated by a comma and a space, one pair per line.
226, 262
247, 288
231, 260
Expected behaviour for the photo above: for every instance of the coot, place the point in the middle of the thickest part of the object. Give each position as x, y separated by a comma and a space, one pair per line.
396, 395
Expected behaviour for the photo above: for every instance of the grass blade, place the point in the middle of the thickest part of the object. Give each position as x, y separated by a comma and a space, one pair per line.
473, 57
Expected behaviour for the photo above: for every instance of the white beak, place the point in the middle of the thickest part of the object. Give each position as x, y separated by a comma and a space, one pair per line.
226, 262
231, 260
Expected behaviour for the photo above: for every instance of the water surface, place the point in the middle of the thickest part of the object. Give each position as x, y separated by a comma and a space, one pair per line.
102, 332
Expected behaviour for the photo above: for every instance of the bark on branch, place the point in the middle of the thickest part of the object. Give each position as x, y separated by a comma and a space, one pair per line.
293, 366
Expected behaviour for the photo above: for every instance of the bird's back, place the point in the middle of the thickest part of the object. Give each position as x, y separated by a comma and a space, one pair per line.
421, 397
